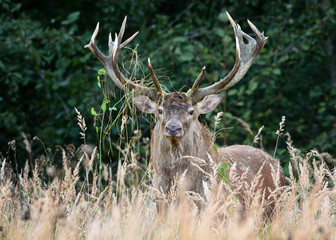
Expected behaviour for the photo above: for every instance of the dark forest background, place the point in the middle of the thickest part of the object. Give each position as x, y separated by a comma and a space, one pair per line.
45, 72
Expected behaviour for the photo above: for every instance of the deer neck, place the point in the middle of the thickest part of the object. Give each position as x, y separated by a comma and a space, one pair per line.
173, 158
173, 152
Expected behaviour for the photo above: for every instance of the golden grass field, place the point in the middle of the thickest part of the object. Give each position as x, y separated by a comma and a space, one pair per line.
49, 203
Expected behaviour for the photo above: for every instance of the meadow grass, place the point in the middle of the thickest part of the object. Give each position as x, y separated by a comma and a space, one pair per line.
77, 202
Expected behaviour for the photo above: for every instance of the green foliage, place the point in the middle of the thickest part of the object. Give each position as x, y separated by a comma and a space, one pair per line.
223, 172
45, 72
41, 78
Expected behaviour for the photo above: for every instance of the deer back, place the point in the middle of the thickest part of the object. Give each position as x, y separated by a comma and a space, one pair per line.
258, 168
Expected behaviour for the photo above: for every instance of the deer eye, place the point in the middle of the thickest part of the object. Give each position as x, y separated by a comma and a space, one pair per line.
160, 111
191, 112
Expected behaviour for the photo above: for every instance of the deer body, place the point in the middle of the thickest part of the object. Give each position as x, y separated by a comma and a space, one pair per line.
178, 137
169, 167
173, 156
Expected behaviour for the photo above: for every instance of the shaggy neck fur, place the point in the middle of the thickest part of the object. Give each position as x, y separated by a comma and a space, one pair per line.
173, 157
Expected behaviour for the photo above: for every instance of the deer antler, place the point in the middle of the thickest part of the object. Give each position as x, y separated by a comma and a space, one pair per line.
245, 55
110, 63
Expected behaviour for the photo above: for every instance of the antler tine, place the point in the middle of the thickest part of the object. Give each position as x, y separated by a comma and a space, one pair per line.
259, 35
110, 62
93, 48
122, 30
154, 79
245, 55
122, 45
197, 82
120, 76
110, 44
115, 54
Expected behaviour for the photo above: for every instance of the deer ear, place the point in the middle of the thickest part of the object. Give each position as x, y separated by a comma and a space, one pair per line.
144, 104
209, 103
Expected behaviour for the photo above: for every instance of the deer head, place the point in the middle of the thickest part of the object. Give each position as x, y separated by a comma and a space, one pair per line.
176, 112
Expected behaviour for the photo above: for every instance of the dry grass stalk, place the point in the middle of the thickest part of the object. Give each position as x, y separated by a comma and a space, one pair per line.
81, 123
304, 209
257, 137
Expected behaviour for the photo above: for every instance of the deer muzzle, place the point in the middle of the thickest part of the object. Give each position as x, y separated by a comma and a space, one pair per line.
173, 130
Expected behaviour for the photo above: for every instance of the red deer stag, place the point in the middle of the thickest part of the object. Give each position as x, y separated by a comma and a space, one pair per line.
178, 136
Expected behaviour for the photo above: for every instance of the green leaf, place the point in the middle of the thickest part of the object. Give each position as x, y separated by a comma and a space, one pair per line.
2, 66
232, 92
93, 112
276, 71
227, 39
72, 17
219, 32
178, 39
222, 171
222, 17
321, 110
185, 57
240, 103
103, 107
102, 71
253, 86
228, 115
98, 82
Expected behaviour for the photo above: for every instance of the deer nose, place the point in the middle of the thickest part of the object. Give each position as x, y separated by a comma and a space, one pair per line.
173, 130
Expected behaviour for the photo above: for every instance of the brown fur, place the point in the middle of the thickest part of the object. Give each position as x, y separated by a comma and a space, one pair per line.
251, 160
173, 157
166, 157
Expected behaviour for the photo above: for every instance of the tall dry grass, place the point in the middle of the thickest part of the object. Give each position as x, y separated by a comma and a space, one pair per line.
44, 202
